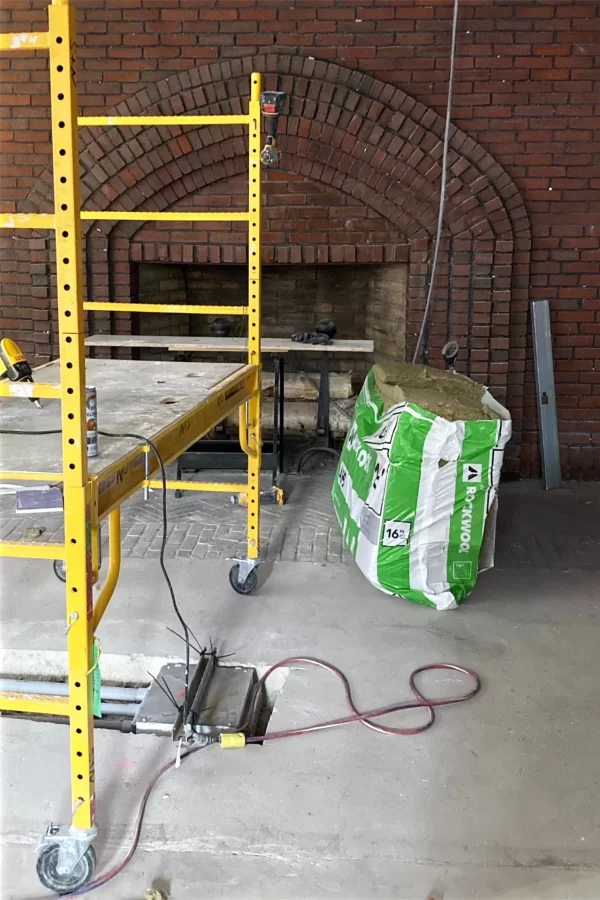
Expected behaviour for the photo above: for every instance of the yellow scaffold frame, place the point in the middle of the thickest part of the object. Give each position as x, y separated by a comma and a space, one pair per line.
89, 500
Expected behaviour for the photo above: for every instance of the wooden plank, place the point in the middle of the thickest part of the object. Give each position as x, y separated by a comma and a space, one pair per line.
301, 419
131, 397
222, 345
299, 386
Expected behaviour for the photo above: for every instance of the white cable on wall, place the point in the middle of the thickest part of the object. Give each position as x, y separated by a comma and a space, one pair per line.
440, 223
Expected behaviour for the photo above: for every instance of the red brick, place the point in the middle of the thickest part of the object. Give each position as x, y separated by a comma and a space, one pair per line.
378, 13
541, 11
179, 15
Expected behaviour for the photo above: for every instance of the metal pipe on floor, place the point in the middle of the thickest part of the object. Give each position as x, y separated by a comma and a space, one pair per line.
60, 689
133, 695
119, 709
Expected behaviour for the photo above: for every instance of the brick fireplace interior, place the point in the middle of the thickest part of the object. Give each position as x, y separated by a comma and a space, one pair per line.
365, 301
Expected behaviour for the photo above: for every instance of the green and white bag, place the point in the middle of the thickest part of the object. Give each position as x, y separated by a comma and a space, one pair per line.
415, 493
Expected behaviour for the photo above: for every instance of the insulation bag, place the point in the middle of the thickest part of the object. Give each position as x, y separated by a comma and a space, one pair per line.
415, 491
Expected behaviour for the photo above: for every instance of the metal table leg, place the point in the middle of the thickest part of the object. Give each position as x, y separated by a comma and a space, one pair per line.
178, 493
323, 431
276, 389
276, 493
281, 413
220, 430
323, 436
278, 418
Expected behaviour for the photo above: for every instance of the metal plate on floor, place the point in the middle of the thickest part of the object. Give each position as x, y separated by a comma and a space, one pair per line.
223, 709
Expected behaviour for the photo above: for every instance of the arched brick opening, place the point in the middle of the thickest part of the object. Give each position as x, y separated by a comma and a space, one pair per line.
369, 141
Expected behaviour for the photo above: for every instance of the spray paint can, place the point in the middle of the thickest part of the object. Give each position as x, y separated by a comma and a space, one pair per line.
91, 416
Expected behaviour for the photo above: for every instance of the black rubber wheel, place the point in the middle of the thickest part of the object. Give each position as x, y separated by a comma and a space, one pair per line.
249, 586
60, 569
82, 874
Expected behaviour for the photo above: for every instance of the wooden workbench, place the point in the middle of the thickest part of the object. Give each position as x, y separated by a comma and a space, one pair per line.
131, 397
277, 347
222, 345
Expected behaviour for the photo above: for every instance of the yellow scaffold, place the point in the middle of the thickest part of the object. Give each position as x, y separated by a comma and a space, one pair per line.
94, 489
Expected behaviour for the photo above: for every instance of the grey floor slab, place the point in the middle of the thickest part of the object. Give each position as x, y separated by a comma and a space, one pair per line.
498, 799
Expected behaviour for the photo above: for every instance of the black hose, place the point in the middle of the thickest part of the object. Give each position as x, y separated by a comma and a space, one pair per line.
125, 726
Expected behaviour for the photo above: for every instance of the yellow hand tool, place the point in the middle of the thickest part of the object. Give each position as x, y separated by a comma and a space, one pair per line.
14, 365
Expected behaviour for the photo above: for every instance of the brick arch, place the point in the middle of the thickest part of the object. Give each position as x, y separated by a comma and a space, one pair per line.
401, 148
369, 139
370, 236
125, 242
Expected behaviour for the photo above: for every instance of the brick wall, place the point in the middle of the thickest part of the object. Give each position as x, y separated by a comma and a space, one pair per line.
162, 284
303, 221
368, 87
385, 314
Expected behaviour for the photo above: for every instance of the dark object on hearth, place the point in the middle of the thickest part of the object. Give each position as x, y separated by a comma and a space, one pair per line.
310, 337
326, 326
449, 354
220, 327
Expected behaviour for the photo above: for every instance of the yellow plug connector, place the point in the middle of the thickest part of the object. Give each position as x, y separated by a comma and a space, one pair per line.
230, 741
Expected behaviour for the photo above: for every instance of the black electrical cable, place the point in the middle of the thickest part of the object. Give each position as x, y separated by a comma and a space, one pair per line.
144, 440
443, 184
420, 701
104, 879
32, 433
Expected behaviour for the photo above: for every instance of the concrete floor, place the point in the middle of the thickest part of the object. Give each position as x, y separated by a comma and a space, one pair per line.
497, 800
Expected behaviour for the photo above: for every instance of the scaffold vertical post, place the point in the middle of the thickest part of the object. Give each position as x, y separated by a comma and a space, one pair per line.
254, 316
69, 281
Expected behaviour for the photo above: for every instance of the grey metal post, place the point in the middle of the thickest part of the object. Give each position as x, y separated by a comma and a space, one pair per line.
546, 396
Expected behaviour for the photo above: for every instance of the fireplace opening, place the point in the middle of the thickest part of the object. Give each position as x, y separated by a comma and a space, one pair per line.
366, 301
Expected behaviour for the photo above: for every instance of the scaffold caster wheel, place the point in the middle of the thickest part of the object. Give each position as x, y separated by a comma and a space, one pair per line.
47, 870
60, 569
249, 586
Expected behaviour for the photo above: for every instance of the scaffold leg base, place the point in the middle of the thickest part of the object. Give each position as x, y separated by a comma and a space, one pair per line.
66, 859
244, 577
